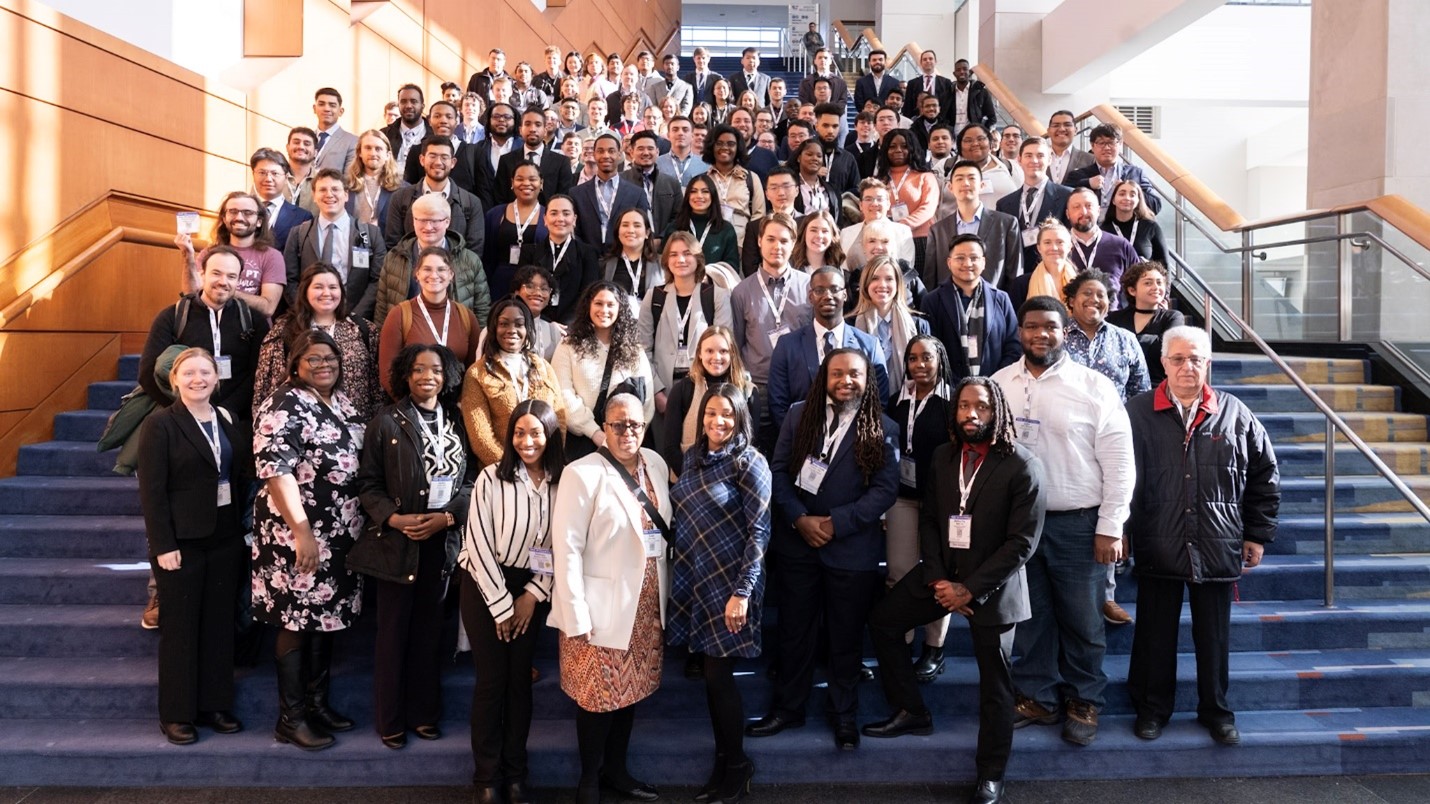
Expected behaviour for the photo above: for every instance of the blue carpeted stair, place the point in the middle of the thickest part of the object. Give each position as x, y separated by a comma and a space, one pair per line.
1342, 690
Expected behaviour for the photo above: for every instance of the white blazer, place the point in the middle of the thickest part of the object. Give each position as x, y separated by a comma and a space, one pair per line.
600, 556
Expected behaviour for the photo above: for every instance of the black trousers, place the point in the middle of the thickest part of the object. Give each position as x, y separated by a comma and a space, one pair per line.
196, 627
407, 661
501, 698
811, 592
901, 610
1152, 675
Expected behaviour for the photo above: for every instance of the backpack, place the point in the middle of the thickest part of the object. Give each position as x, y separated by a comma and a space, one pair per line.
186, 302
707, 306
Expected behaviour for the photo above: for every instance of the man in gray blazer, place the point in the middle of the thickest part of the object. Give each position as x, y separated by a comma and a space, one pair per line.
671, 85
357, 252
336, 148
662, 191
749, 77
1003, 255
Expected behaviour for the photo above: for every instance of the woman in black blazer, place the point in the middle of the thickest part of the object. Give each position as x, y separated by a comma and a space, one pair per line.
415, 482
194, 472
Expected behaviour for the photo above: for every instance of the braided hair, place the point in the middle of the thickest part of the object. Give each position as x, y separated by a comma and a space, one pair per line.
945, 374
868, 423
1004, 433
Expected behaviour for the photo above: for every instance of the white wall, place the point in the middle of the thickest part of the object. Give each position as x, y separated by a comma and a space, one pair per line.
205, 36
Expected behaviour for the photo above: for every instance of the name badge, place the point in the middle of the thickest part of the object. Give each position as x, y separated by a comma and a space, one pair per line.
542, 562
555, 295
188, 222
908, 472
899, 212
960, 531
1027, 430
985, 187
513, 256
362, 257
811, 475
225, 494
1030, 237
728, 211
682, 358
439, 493
777, 334
970, 347
225, 367
654, 543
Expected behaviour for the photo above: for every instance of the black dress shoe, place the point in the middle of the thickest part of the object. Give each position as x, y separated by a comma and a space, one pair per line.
900, 724
929, 665
220, 721
631, 788
1147, 728
179, 733
846, 735
396, 741
1224, 733
516, 793
486, 794
866, 673
987, 791
428, 732
770, 725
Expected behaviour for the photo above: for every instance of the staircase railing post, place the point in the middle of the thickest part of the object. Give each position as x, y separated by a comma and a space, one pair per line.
1330, 547
1248, 284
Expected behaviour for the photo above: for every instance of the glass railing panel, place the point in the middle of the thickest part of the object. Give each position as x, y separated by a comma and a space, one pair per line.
1389, 298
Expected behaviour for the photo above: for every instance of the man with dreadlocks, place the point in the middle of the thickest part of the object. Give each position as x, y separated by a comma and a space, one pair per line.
835, 472
973, 546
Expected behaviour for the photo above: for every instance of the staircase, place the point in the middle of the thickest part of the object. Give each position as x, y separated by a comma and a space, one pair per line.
1318, 691
775, 67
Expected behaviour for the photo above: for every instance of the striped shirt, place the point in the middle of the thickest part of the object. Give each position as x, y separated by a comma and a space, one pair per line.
506, 520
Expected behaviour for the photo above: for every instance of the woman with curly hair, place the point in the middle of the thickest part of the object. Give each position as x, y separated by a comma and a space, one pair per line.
506, 373
835, 472
600, 357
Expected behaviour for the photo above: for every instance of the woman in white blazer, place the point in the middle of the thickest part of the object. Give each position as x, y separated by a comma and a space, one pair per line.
608, 594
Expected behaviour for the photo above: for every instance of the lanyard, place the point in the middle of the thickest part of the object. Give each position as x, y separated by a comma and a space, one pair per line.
779, 309
1088, 252
371, 197
606, 204
964, 488
557, 256
520, 226
965, 314
814, 198
700, 238
680, 333
834, 435
434, 437
446, 319
916, 409
213, 325
212, 439
540, 502
895, 187
633, 274
1030, 209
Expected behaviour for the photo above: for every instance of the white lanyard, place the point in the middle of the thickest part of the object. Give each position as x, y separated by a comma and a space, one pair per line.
213, 440
700, 238
1088, 252
965, 314
916, 409
684, 319
779, 309
371, 197
521, 227
897, 186
633, 274
964, 488
722, 183
540, 502
601, 197
213, 325
814, 197
433, 437
827, 453
1030, 209
446, 319
557, 256
1132, 236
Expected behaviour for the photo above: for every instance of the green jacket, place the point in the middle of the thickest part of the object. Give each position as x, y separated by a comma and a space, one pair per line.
469, 284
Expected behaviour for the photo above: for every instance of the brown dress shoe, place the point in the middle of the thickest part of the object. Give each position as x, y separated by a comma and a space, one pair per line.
1115, 614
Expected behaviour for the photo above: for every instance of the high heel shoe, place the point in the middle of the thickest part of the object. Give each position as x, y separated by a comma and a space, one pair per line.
712, 785
736, 784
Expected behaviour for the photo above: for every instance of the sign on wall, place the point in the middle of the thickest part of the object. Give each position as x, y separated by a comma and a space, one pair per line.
800, 16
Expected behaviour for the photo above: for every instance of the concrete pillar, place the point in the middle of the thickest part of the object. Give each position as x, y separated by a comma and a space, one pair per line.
1010, 41
1369, 101
900, 22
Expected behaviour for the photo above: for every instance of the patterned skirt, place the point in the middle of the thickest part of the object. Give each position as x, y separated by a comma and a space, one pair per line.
606, 679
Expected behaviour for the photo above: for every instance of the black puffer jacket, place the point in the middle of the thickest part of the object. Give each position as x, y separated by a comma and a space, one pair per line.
1199, 496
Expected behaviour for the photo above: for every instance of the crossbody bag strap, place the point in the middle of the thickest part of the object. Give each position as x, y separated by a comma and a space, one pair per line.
646, 502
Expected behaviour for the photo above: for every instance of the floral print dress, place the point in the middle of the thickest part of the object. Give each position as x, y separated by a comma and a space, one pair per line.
297, 434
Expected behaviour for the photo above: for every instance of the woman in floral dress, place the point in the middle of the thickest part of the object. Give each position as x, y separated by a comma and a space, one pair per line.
305, 520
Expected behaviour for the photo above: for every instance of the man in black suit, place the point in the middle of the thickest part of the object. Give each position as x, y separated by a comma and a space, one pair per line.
662, 191
841, 170
629, 85
971, 102
701, 80
555, 168
357, 250
927, 82
929, 116
749, 77
973, 546
436, 155
1037, 200
443, 120
483, 158
601, 200
409, 128
875, 85
1108, 169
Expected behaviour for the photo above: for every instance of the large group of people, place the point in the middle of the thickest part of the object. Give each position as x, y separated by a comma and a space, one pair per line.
610, 350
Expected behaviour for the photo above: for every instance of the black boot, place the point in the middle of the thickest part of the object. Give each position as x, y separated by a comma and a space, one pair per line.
736, 783
930, 664
293, 725
320, 663
712, 785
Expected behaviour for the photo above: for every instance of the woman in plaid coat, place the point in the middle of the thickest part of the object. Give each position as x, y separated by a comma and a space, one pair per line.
722, 526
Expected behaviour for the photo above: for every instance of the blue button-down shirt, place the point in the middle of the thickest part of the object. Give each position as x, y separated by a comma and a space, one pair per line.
1114, 353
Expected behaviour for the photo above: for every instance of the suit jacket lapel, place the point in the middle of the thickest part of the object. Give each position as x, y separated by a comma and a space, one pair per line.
190, 428
980, 479
811, 355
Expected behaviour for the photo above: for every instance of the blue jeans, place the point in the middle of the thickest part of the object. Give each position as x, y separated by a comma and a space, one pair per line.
1059, 651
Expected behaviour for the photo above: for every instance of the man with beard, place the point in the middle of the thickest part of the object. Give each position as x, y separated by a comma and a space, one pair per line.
1073, 420
409, 128
798, 357
875, 85
1064, 159
554, 167
671, 86
372, 181
973, 547
1092, 247
840, 170
483, 158
757, 160
443, 119
302, 156
662, 192
436, 155
242, 226
834, 474
971, 101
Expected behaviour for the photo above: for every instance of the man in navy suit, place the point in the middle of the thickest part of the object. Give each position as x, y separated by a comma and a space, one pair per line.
270, 184
974, 319
834, 474
554, 167
875, 85
928, 82
1109, 168
480, 161
701, 80
1038, 199
600, 201
798, 356
750, 78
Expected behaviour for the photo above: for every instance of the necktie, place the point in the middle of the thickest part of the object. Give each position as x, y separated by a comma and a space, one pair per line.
273, 208
970, 462
777, 286
322, 139
332, 234
928, 83
828, 344
531, 157
1028, 210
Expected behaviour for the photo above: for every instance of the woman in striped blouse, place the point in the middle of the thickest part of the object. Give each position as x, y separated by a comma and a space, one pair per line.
505, 592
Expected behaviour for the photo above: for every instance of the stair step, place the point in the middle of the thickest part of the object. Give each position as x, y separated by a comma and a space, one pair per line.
1302, 577
47, 536
107, 394
73, 631
1259, 370
1406, 460
673, 752
108, 495
1268, 398
1362, 494
65, 459
1355, 534
1287, 428
129, 368
72, 581
81, 425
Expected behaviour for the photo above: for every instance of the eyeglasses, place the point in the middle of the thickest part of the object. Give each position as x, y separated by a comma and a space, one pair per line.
317, 361
439, 158
974, 140
535, 288
269, 174
430, 221
626, 427
821, 292
240, 213
1105, 144
964, 259
503, 117
1196, 361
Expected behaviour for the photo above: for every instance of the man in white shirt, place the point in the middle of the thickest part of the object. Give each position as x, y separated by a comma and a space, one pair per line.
1064, 158
1072, 418
336, 148
409, 128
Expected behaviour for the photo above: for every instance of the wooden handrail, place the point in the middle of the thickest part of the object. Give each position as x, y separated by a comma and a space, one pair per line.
838, 27
119, 234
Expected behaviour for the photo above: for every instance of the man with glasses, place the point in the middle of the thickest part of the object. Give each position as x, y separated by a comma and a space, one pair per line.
1109, 169
1073, 420
243, 226
432, 217
972, 318
1063, 158
435, 154
1204, 507
444, 121
781, 189
270, 185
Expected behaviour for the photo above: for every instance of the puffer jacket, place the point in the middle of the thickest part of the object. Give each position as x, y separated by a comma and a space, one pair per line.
1199, 494
469, 280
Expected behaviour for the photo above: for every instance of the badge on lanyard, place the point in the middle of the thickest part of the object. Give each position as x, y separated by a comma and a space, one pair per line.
225, 493
439, 491
777, 334
908, 471
513, 256
899, 212
1027, 430
556, 296
682, 358
811, 475
1030, 237
542, 562
654, 543
362, 257
960, 531
225, 367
